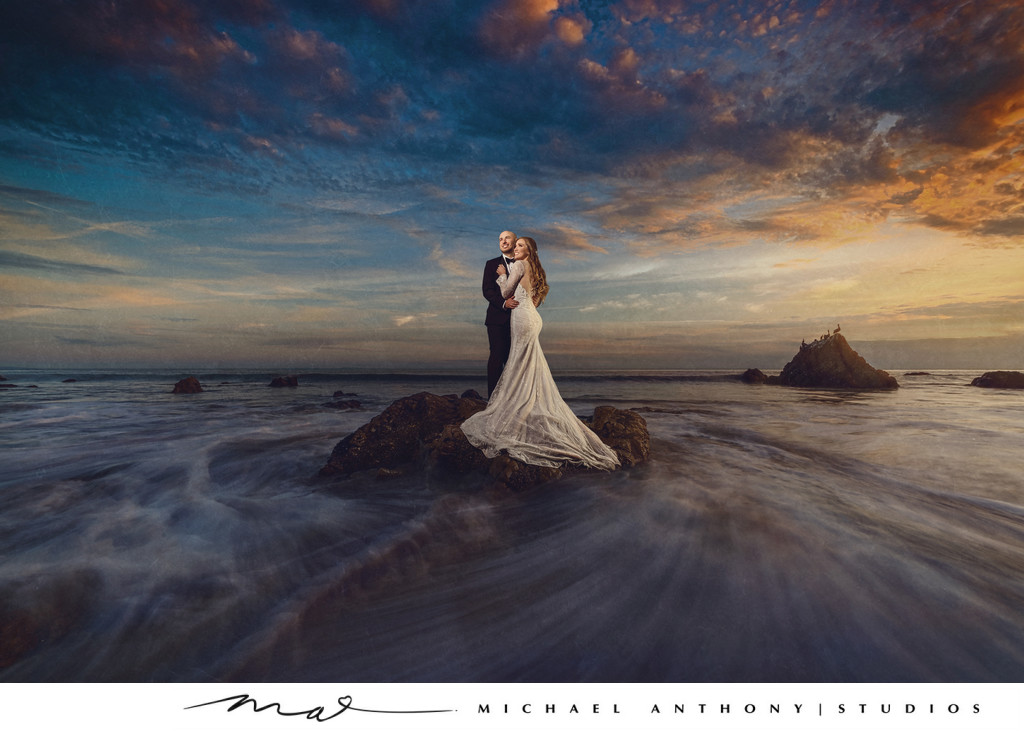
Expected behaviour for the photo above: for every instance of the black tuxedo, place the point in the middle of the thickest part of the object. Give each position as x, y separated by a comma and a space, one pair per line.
499, 333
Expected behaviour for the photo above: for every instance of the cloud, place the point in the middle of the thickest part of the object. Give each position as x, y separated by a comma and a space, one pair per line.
954, 83
517, 27
1009, 227
102, 342
41, 197
565, 240
27, 306
292, 157
31, 262
451, 265
796, 263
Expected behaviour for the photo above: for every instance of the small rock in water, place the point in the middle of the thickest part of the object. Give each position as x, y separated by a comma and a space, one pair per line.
188, 385
1000, 380
754, 376
344, 405
289, 381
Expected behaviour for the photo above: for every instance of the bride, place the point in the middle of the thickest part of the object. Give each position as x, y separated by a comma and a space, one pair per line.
526, 416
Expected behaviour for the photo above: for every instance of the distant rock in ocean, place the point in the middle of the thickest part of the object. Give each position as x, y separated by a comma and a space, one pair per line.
831, 362
289, 381
421, 432
1000, 380
344, 405
754, 376
188, 385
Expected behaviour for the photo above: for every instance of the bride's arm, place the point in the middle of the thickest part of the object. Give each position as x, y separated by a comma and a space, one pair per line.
516, 271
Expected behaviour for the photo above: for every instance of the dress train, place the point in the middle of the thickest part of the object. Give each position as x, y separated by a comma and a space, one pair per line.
526, 416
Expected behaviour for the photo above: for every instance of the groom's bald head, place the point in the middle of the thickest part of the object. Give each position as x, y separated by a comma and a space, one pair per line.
507, 242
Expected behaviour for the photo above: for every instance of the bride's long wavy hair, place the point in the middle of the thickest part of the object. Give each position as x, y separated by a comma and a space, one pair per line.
540, 278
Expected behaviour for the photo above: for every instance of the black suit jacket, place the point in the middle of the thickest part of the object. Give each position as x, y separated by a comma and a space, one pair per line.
497, 314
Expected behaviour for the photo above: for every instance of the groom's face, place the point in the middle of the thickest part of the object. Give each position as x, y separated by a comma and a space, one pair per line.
506, 243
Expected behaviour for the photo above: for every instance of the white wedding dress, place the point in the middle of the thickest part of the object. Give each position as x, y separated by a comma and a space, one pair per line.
526, 416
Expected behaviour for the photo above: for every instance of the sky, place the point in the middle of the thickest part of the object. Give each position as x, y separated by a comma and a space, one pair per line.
317, 184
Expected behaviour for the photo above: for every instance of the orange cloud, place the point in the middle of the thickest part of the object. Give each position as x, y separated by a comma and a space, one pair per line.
516, 27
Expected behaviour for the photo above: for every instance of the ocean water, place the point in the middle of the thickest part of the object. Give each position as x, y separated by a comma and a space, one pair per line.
776, 534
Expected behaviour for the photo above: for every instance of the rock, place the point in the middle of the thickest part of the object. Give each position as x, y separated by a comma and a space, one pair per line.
69, 381
339, 394
917, 374
454, 454
624, 431
505, 474
344, 405
398, 436
830, 362
383, 474
1000, 380
289, 381
421, 432
188, 385
43, 610
753, 376
472, 394
3, 378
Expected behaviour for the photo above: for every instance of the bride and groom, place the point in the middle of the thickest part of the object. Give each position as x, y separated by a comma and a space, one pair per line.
526, 416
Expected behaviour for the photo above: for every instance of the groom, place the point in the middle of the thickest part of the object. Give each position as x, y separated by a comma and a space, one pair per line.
499, 311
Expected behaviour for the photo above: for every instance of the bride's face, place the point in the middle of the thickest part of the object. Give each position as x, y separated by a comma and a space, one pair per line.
522, 249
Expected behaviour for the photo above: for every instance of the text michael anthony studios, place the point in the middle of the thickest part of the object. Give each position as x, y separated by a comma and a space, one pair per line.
938, 709
924, 709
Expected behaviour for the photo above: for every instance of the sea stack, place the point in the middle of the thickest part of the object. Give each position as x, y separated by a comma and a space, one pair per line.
831, 362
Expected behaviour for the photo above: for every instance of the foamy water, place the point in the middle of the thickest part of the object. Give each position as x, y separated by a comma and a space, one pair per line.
776, 534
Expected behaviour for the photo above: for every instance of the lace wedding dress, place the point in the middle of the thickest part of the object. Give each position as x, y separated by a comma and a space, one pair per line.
526, 416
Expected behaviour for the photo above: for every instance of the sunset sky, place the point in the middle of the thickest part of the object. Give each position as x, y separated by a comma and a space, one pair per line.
204, 183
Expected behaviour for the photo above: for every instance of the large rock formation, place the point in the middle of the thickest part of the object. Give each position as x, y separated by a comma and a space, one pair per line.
421, 432
1000, 380
830, 362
